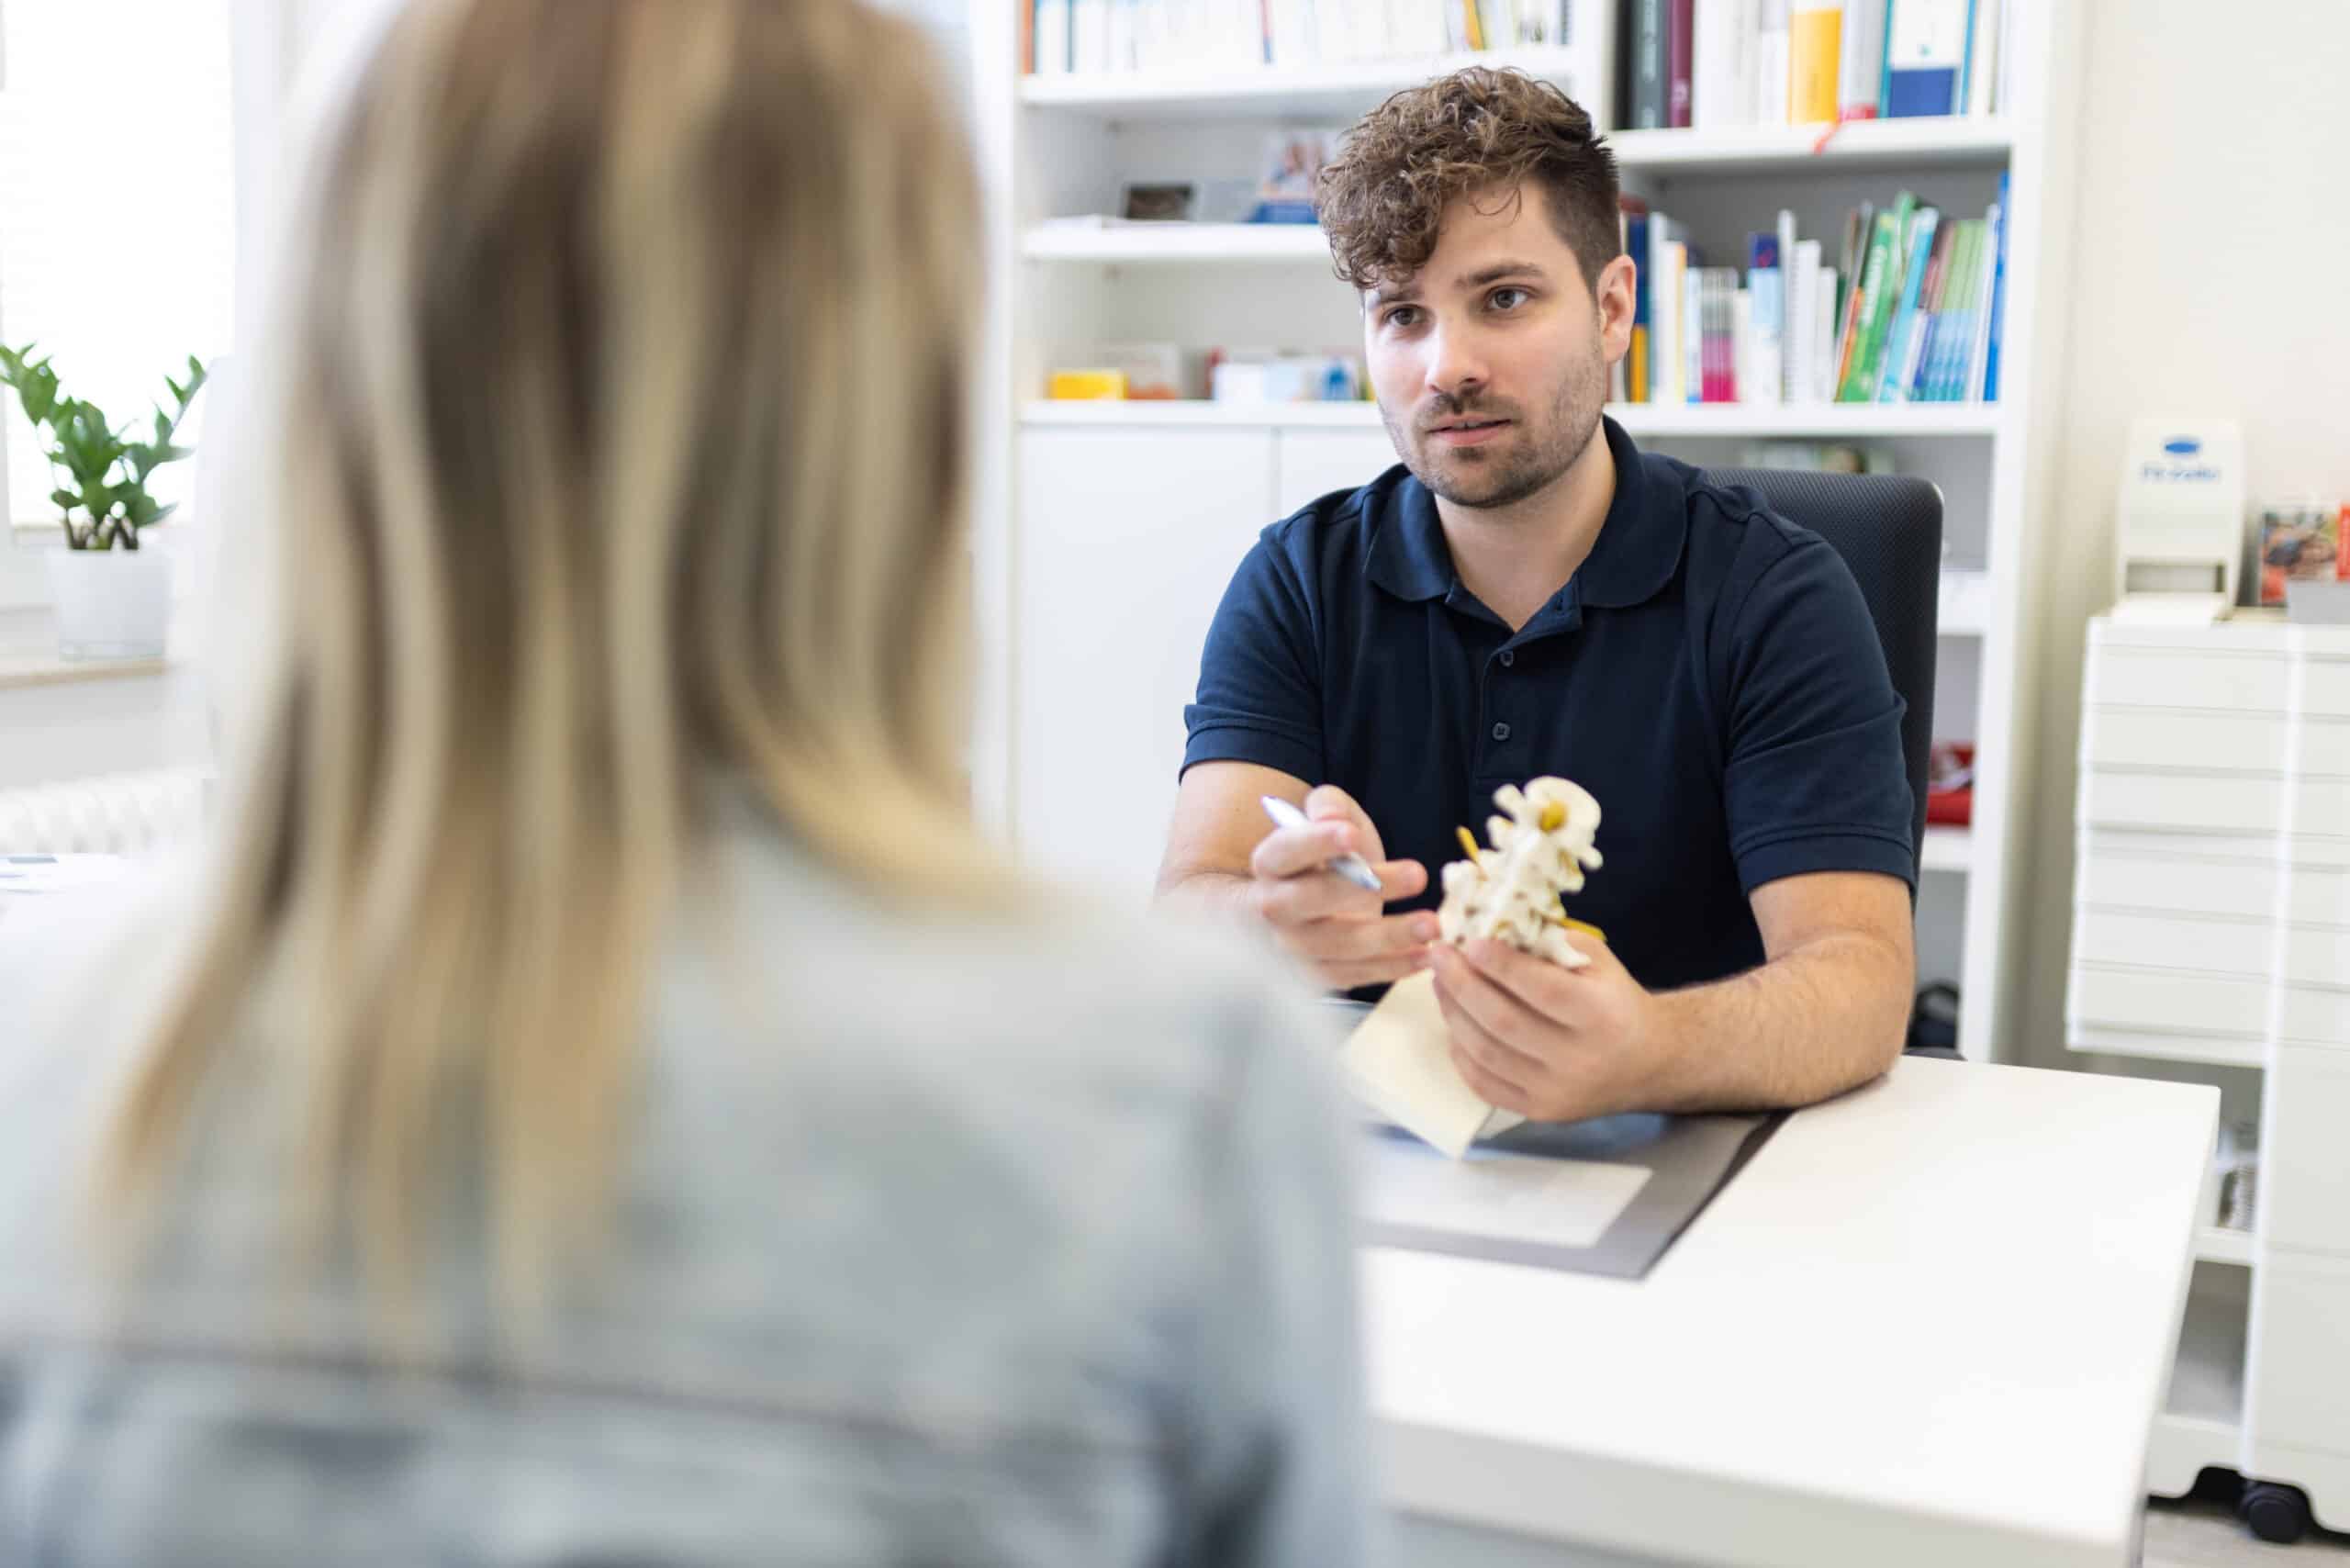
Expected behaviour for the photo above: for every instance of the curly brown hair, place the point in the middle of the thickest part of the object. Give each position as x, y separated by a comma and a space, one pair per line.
1474, 132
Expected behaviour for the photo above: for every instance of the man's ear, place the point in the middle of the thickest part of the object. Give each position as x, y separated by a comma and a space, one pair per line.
1612, 294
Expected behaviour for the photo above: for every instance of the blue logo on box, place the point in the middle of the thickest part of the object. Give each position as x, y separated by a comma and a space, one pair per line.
2182, 446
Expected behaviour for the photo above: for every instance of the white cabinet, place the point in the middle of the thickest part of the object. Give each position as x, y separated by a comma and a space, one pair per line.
2211, 923
1315, 463
1125, 542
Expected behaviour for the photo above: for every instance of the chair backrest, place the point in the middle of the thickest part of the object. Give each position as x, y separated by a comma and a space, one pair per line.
1888, 528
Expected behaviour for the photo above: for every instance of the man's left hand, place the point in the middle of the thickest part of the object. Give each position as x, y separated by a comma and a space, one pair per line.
1551, 1043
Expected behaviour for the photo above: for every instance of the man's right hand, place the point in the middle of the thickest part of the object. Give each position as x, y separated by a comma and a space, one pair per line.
1337, 929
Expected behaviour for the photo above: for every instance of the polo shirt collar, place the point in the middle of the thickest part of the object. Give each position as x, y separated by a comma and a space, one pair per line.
1638, 550
1639, 547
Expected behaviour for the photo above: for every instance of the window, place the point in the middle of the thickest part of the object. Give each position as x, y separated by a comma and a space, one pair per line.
118, 211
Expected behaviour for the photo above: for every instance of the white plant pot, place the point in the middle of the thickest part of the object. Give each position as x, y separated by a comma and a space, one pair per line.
111, 604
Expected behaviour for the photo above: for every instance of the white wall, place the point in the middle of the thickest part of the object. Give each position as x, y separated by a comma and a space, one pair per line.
2208, 275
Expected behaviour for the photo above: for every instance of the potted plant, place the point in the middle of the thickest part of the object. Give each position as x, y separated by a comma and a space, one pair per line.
112, 599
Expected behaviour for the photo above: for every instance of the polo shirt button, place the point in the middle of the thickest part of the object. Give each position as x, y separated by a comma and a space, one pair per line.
1509, 658
1501, 732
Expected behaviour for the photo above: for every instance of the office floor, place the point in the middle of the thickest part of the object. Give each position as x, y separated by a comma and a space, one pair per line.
2195, 1532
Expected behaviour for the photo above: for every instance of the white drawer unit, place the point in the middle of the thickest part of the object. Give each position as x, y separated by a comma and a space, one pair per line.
2211, 923
2232, 946
2169, 737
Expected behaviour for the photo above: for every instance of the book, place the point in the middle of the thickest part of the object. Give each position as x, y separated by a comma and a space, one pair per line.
1884, 294
1771, 63
1860, 61
1680, 36
1815, 29
1647, 63
1944, 380
1724, 70
1884, 371
1978, 348
1636, 245
1885, 240
1761, 366
1982, 58
1693, 332
1052, 42
1999, 297
1901, 371
1823, 342
1803, 313
1925, 55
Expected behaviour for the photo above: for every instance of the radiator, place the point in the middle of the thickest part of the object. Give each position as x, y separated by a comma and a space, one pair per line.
122, 813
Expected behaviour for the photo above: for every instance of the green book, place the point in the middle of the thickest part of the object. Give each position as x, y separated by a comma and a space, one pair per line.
1880, 281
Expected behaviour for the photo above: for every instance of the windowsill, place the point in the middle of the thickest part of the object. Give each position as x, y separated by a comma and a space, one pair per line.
28, 656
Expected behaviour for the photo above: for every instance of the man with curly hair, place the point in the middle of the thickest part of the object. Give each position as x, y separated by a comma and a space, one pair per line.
1529, 593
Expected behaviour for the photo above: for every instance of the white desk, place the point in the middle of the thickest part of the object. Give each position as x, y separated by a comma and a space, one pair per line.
1928, 1326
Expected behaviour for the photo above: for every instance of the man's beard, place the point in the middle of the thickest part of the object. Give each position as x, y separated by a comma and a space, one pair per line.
1528, 458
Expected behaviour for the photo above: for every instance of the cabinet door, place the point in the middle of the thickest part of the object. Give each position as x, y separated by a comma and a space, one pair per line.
1125, 543
2304, 1193
1315, 463
2299, 1363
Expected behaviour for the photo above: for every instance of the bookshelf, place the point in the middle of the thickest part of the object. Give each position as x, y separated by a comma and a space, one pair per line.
1107, 531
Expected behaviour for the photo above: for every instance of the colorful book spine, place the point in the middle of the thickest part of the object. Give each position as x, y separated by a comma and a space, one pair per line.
1999, 305
1987, 271
1636, 245
1885, 375
1877, 319
1943, 377
1901, 373
1681, 40
1884, 241
1815, 29
1763, 364
1925, 58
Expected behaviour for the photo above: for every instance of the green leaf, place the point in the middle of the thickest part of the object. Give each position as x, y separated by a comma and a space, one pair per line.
66, 498
141, 509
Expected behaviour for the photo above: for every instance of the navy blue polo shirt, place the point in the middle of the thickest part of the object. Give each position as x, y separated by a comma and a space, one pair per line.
1710, 673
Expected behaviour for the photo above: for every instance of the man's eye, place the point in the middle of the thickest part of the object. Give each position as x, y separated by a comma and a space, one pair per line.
1508, 298
1402, 316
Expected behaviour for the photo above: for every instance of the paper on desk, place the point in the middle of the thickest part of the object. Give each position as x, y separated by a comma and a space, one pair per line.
1400, 1062
1607, 1196
1499, 1195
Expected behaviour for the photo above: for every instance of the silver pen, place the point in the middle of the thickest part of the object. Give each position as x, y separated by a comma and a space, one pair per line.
1350, 866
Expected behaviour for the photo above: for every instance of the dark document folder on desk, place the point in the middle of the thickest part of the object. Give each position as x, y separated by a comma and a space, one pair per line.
1607, 1196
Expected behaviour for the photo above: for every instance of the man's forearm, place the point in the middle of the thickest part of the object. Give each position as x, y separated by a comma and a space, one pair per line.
1219, 894
1808, 1025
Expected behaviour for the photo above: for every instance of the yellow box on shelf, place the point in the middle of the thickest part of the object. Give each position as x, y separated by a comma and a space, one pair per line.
1087, 386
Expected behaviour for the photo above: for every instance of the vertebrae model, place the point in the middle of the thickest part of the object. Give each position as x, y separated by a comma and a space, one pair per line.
1510, 892
1401, 1056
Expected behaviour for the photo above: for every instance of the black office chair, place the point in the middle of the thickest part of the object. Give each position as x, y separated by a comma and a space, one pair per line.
1888, 528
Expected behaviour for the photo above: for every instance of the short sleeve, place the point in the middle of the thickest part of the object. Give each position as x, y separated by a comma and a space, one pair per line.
1813, 775
1260, 692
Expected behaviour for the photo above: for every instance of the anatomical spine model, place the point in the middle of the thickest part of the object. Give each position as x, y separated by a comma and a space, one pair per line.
1400, 1058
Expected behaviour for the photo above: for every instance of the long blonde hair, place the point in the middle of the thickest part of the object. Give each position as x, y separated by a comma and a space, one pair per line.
613, 438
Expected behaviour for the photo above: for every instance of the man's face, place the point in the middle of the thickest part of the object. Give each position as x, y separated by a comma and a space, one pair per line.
1491, 364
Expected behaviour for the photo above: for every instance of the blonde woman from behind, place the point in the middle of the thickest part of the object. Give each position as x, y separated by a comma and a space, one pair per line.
602, 1103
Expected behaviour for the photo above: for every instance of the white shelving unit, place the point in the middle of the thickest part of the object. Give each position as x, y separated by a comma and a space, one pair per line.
1118, 525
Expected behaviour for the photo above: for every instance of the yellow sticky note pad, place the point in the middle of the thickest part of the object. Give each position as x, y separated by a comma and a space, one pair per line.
1087, 385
